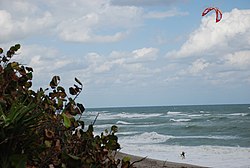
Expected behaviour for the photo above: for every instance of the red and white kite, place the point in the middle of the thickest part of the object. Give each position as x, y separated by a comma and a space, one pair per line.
218, 13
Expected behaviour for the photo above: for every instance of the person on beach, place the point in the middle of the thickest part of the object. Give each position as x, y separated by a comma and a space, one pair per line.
183, 155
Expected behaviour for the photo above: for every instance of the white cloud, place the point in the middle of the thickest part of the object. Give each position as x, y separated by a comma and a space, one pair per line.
212, 37
239, 59
78, 21
85, 28
23, 7
145, 2
45, 60
21, 20
164, 14
222, 49
120, 67
145, 53
198, 66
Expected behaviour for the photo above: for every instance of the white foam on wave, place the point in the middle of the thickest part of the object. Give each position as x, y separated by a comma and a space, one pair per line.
175, 113
206, 112
137, 115
150, 125
124, 123
91, 115
180, 120
195, 115
207, 137
127, 133
104, 126
145, 138
209, 156
110, 116
238, 114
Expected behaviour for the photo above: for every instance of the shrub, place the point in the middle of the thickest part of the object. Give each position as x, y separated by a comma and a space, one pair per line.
40, 129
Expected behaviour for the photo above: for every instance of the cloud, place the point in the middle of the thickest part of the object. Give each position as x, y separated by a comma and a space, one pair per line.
78, 21
119, 67
197, 66
164, 14
211, 37
145, 53
216, 53
45, 60
72, 34
116, 68
15, 27
86, 28
240, 59
145, 2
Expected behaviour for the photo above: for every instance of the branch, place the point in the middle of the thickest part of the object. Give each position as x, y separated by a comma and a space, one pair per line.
138, 161
95, 119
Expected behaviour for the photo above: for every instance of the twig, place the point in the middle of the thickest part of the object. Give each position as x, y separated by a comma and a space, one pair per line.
4, 141
95, 119
164, 164
138, 161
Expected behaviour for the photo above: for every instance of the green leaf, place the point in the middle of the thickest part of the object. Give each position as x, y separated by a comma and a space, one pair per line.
30, 75
14, 65
60, 103
17, 47
48, 143
12, 48
2, 115
18, 161
126, 159
74, 157
66, 120
28, 84
114, 129
1, 50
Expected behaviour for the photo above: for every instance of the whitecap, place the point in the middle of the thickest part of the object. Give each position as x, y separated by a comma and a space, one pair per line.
136, 115
238, 114
208, 137
180, 120
150, 125
144, 138
175, 113
195, 115
123, 123
127, 133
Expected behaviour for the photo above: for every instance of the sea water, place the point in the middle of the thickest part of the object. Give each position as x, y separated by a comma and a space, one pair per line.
210, 135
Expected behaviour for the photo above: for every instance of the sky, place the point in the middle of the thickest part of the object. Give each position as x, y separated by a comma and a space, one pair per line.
134, 52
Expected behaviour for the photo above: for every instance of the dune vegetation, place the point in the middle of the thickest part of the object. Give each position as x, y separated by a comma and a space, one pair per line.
44, 128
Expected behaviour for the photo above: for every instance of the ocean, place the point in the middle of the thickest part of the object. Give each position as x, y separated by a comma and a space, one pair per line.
210, 135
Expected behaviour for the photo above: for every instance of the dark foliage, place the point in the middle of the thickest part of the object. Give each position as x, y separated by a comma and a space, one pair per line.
40, 129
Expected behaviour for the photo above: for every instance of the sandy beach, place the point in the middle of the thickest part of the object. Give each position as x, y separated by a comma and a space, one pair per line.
152, 163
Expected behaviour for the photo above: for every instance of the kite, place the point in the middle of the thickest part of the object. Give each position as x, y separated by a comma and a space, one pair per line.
218, 13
